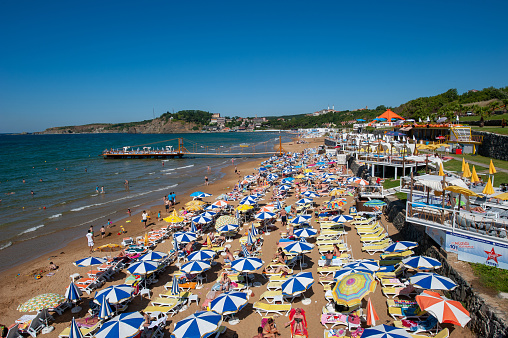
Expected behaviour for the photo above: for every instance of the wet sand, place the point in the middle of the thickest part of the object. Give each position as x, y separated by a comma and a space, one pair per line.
19, 283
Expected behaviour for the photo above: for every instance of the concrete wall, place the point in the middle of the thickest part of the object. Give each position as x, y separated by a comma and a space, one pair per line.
486, 321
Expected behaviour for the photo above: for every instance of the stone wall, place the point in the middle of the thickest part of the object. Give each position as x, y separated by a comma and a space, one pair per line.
486, 321
494, 145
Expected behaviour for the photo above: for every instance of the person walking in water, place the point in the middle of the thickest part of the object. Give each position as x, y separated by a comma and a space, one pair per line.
206, 180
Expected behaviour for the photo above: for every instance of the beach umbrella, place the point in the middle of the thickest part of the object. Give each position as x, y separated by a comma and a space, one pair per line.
200, 194
339, 274
299, 247
264, 215
201, 255
185, 237
305, 232
198, 325
248, 202
385, 331
193, 227
361, 181
287, 180
227, 228
223, 220
474, 176
125, 325
220, 203
229, 303
298, 283
175, 287
195, 203
73, 293
310, 194
212, 206
364, 264
284, 187
41, 302
336, 204
371, 314
401, 246
246, 264
105, 310
244, 207
342, 218
421, 262
350, 290
463, 165
254, 231
114, 294
173, 218
200, 219
444, 309
433, 281
492, 169
209, 214
304, 201
75, 332
374, 203
489, 189
467, 171
89, 261
195, 267
300, 219
153, 256
143, 267
250, 239
245, 252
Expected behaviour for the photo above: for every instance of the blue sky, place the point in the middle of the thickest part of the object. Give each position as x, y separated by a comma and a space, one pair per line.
76, 62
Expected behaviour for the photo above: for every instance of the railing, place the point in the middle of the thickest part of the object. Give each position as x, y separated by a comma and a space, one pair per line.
470, 223
371, 190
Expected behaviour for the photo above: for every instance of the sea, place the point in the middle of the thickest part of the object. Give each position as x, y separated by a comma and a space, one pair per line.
48, 183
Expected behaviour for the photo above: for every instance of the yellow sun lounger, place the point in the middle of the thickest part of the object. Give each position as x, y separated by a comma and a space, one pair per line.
395, 255
372, 249
265, 309
326, 270
272, 296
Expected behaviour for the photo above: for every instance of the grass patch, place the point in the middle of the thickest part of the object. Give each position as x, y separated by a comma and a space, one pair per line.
388, 183
491, 129
491, 277
477, 117
480, 159
401, 196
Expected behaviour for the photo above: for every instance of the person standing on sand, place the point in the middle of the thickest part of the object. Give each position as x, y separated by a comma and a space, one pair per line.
144, 218
89, 237
103, 232
206, 180
166, 204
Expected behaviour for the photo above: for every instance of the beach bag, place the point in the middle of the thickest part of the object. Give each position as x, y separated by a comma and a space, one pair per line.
216, 287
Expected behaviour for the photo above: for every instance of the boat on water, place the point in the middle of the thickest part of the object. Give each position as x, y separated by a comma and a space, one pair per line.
244, 145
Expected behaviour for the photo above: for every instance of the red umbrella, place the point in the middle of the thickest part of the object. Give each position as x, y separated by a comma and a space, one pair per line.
444, 309
371, 314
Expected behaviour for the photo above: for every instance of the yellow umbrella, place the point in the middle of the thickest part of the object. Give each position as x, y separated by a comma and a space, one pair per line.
108, 247
489, 189
299, 176
308, 170
467, 171
336, 192
462, 191
194, 207
244, 207
474, 176
195, 202
492, 169
503, 196
463, 165
146, 239
441, 171
174, 218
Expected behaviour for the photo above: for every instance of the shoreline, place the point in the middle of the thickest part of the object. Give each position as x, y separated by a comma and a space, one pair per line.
21, 276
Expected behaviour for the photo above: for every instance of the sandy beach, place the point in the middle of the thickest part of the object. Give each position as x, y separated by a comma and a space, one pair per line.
19, 283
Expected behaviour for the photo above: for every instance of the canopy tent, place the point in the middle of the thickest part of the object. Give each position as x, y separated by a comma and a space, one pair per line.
435, 182
389, 115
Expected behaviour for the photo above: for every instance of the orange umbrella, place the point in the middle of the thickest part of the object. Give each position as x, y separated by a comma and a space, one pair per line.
371, 314
444, 309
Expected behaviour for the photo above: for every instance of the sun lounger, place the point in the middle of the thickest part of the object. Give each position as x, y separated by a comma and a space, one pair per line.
86, 332
429, 325
392, 282
184, 286
297, 333
332, 232
407, 291
405, 312
400, 255
169, 305
274, 286
265, 309
327, 270
444, 333
272, 296
334, 319
393, 274
374, 238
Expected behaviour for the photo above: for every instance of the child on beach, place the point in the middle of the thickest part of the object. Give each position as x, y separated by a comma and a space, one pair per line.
159, 216
103, 232
89, 237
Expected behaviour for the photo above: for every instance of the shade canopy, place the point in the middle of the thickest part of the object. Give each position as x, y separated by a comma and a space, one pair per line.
198, 325
444, 309
125, 325
389, 115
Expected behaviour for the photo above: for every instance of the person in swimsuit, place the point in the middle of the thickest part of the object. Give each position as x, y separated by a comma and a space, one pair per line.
328, 257
298, 319
283, 217
269, 330
280, 256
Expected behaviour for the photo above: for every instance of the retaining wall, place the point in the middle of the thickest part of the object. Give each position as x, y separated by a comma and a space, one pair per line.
494, 145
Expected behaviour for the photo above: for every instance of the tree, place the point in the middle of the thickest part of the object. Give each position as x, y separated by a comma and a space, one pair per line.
493, 106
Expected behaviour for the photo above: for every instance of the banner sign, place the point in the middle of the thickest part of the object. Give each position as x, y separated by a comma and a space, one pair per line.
477, 250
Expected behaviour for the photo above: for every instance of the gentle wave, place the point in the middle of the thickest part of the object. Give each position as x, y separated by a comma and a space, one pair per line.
31, 229
171, 169
123, 198
55, 216
6, 245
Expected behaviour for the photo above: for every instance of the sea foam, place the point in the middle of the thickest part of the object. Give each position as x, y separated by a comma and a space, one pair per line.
32, 229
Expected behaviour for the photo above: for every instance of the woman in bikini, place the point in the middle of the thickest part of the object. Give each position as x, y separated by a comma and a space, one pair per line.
298, 320
269, 330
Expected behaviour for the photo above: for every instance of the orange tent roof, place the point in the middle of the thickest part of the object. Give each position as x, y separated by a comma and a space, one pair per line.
389, 115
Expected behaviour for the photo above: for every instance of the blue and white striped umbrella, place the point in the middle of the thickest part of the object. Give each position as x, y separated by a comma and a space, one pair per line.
342, 218
249, 198
200, 194
185, 237
228, 228
195, 267
253, 230
209, 214
272, 177
330, 179
385, 331
311, 194
114, 294
175, 244
105, 311
247, 202
339, 274
300, 219
200, 219
401, 246
246, 264
125, 325
175, 287
278, 204
299, 247
352, 179
193, 227
201, 255
264, 215
432, 281
284, 187
421, 262
297, 283
143, 267
73, 294
250, 239
75, 331
153, 256
229, 303
364, 264
198, 325
288, 180
304, 201
212, 206
89, 261
305, 232
245, 252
